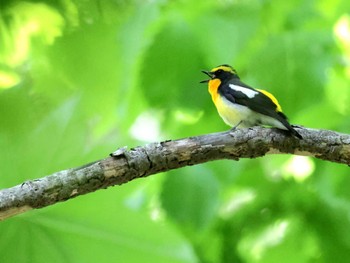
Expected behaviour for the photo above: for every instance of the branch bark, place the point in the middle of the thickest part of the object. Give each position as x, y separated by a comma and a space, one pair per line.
126, 165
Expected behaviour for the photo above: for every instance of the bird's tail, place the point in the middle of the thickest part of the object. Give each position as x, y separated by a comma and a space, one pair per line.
283, 119
294, 132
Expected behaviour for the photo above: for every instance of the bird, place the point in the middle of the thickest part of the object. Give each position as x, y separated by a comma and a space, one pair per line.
241, 105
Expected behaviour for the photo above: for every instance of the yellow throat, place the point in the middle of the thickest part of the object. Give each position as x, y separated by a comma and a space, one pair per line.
213, 86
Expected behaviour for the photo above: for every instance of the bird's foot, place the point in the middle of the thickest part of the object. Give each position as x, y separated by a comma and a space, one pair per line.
234, 128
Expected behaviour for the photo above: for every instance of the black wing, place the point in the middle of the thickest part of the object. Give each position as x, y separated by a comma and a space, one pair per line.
259, 102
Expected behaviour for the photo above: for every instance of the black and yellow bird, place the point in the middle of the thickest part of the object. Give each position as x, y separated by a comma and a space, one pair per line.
241, 105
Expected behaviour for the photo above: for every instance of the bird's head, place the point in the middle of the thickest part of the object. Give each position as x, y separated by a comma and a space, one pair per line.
221, 72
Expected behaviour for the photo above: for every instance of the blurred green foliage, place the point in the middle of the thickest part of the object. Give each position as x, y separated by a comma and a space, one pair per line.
79, 79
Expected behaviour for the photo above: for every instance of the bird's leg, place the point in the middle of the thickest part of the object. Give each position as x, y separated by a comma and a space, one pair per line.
235, 127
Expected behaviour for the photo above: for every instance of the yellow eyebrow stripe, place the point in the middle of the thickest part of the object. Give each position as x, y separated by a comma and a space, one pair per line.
274, 100
224, 68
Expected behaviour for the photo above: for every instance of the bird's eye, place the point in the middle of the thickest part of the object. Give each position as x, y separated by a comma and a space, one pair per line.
219, 71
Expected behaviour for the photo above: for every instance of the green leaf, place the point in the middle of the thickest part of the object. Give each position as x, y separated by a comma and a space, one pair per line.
191, 199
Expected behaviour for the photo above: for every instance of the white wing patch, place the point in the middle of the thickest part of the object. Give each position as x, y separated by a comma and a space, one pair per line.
248, 92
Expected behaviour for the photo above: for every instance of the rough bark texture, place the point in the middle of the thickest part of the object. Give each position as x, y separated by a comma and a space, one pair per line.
125, 165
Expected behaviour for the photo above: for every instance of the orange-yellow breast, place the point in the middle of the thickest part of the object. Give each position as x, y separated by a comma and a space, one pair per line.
229, 112
213, 86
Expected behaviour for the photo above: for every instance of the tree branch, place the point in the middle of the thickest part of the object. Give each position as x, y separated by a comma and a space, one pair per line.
126, 165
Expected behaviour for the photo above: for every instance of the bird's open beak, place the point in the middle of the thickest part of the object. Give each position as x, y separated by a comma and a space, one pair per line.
210, 75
